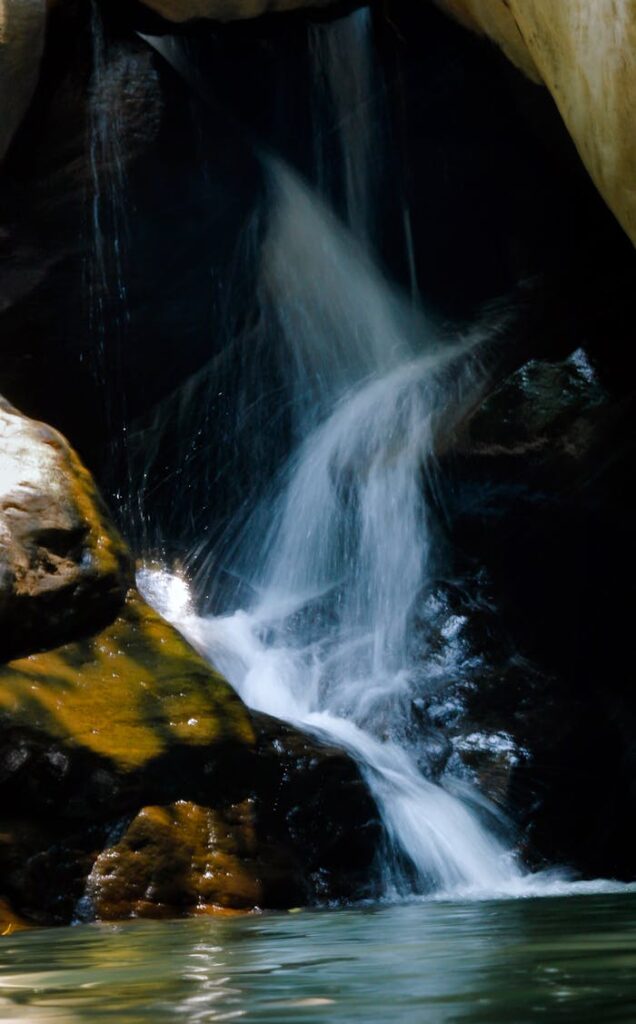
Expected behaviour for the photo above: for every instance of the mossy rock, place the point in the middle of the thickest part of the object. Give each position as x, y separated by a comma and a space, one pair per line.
128, 741
117, 737
127, 694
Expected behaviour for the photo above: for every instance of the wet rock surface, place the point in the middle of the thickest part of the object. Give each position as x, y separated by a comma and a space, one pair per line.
545, 559
222, 10
94, 732
124, 739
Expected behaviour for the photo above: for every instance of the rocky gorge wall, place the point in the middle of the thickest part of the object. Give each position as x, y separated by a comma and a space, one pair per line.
585, 53
150, 789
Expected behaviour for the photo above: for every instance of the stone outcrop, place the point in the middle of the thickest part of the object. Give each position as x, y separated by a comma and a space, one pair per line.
181, 858
133, 780
584, 52
22, 24
63, 566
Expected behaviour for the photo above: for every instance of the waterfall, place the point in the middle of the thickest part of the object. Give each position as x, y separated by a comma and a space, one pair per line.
333, 560
337, 552
345, 96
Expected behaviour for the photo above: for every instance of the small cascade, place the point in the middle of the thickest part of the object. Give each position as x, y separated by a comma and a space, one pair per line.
339, 549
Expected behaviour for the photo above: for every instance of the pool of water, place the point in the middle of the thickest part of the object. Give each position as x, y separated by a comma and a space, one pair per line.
570, 958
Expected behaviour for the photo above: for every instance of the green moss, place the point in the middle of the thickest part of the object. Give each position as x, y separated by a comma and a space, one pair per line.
128, 693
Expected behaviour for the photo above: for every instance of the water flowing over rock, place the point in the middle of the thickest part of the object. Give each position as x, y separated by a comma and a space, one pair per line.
583, 52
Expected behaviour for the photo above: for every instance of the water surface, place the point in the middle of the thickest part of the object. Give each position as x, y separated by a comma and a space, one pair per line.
485, 962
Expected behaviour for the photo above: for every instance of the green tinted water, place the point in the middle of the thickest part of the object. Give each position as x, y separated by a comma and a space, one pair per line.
552, 959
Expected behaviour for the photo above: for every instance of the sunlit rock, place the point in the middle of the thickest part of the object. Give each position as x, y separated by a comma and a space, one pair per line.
179, 859
583, 52
63, 566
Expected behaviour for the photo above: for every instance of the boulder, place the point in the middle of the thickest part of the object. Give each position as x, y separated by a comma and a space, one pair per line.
230, 812
126, 740
133, 780
22, 25
584, 53
179, 859
64, 568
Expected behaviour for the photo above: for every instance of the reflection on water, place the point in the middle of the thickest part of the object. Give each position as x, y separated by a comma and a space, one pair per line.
555, 959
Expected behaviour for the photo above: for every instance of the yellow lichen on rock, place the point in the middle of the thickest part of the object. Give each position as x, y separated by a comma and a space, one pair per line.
127, 694
585, 53
178, 859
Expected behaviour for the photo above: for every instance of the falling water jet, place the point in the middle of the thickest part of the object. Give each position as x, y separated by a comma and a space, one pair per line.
338, 552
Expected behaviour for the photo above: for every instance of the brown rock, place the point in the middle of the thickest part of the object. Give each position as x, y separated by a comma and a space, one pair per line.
585, 53
63, 566
179, 859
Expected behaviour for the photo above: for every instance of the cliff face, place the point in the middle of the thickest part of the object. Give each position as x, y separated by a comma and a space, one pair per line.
584, 52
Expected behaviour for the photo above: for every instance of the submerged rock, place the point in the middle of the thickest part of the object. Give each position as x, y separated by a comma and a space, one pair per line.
124, 740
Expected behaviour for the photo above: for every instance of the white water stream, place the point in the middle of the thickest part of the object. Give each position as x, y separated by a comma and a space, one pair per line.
340, 549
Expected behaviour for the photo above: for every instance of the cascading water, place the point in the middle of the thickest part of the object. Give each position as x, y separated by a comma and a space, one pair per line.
338, 551
345, 85
339, 548
335, 563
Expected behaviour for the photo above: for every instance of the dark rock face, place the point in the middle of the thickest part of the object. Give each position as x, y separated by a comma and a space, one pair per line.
544, 551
